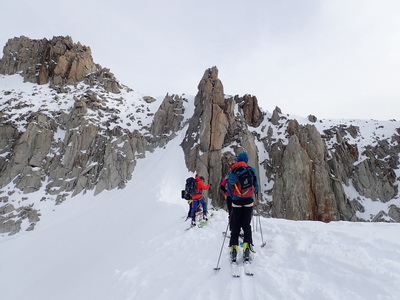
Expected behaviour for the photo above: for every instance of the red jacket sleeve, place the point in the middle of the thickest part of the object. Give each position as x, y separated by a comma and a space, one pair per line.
201, 187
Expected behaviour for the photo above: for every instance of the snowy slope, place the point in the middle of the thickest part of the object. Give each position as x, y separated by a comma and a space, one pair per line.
132, 244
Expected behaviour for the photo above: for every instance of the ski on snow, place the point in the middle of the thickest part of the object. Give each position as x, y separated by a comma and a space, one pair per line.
235, 268
248, 270
201, 222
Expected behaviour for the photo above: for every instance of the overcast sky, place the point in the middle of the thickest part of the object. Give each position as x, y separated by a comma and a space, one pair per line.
333, 59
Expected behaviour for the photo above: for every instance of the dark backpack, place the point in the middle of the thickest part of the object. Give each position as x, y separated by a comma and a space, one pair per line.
244, 186
190, 188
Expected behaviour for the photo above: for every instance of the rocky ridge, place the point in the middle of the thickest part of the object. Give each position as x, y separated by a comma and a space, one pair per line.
73, 128
61, 137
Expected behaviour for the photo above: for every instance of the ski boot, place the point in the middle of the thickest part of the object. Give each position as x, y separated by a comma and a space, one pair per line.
234, 251
205, 216
247, 248
193, 221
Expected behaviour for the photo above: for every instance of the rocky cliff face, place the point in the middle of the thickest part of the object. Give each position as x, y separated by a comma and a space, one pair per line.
305, 188
73, 128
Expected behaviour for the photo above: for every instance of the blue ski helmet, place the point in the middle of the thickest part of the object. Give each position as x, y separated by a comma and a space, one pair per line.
243, 157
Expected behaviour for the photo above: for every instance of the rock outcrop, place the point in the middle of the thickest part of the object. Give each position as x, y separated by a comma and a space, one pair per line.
83, 144
41, 61
251, 111
58, 61
168, 119
304, 188
374, 177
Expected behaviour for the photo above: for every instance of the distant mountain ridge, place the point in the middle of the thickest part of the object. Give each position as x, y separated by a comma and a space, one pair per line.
73, 128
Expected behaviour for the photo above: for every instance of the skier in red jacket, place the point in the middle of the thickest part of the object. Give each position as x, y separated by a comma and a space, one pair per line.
198, 198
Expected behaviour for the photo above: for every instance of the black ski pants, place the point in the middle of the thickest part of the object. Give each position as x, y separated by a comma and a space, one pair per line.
241, 218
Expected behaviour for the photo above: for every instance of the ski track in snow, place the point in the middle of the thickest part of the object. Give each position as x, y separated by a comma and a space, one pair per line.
302, 260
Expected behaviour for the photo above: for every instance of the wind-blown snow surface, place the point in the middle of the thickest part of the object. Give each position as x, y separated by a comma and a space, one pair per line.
132, 244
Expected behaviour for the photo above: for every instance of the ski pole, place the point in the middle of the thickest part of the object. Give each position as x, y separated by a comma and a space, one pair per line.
262, 238
253, 215
252, 222
222, 247
259, 222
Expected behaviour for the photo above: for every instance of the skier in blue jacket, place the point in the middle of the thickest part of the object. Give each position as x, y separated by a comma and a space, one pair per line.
242, 186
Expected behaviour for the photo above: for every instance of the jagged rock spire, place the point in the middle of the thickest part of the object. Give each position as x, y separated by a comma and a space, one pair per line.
213, 127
